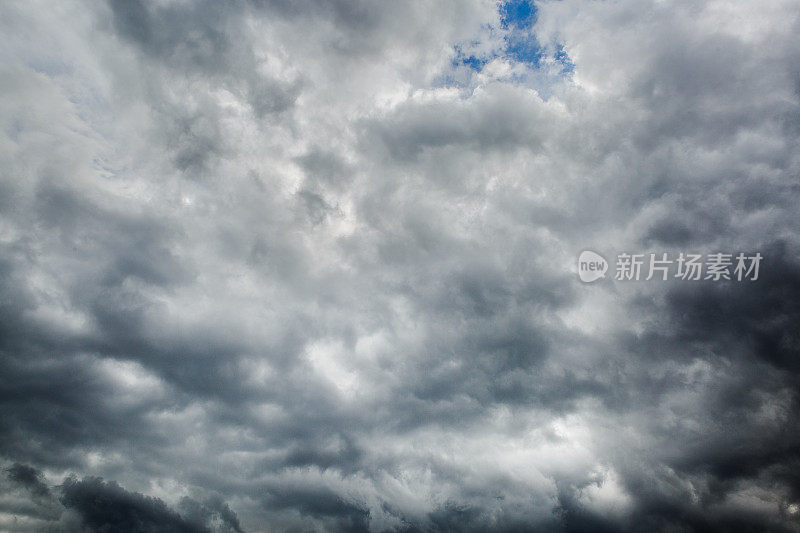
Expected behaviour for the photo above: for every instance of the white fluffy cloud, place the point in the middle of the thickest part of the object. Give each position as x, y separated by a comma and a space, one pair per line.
274, 266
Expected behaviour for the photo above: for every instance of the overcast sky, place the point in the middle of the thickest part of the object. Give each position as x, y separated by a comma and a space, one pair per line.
269, 265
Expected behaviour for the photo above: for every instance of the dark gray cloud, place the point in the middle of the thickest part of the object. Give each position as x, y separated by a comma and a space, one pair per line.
271, 266
28, 477
92, 504
108, 507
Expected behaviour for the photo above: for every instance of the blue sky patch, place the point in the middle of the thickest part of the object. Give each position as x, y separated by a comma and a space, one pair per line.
562, 57
517, 43
471, 60
520, 14
524, 48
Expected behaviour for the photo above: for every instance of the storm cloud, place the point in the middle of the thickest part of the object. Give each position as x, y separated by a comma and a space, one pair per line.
280, 266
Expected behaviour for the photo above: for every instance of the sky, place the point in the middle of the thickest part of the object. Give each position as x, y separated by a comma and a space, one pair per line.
313, 266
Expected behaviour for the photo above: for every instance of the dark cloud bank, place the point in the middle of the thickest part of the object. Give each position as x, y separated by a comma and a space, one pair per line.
279, 266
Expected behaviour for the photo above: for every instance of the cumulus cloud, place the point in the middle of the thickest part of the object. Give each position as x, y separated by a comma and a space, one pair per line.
272, 266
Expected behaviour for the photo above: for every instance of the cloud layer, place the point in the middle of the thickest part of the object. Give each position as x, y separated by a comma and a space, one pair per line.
267, 266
